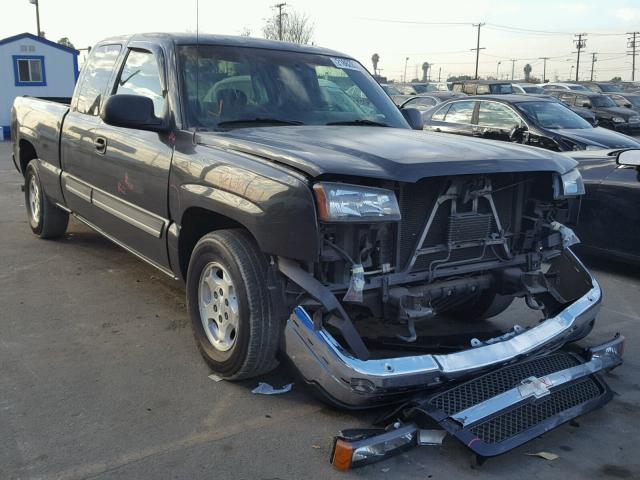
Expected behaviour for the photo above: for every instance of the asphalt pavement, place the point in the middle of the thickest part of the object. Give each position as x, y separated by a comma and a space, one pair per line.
100, 379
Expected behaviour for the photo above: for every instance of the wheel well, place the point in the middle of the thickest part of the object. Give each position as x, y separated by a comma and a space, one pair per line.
26, 152
197, 222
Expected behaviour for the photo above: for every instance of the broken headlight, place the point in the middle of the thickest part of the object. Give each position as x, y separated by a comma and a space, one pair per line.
339, 202
568, 185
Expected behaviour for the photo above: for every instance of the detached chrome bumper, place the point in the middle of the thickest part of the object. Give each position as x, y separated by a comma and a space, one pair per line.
356, 383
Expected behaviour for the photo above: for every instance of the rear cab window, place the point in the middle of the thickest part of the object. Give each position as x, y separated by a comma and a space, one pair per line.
95, 78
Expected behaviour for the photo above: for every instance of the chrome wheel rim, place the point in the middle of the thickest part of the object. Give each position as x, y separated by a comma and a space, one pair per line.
218, 305
34, 200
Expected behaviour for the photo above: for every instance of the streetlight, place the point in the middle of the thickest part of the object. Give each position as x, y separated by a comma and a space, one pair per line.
406, 60
497, 68
35, 2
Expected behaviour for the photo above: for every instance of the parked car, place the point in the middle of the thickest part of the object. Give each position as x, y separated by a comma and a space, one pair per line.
524, 119
609, 115
603, 87
482, 87
396, 95
429, 87
527, 88
559, 86
626, 100
424, 103
585, 113
325, 233
608, 223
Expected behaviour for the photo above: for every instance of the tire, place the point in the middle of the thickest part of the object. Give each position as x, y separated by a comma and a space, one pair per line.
485, 306
227, 287
45, 219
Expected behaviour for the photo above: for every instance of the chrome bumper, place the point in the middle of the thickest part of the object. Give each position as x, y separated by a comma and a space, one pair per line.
356, 383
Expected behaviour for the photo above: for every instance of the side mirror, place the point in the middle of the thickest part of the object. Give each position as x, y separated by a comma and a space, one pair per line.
131, 111
629, 158
413, 118
628, 105
518, 133
586, 104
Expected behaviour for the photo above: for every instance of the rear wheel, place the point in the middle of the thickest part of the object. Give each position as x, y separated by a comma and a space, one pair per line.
229, 305
45, 219
483, 307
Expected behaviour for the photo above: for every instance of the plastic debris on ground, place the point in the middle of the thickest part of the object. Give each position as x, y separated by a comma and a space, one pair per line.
266, 389
545, 455
215, 377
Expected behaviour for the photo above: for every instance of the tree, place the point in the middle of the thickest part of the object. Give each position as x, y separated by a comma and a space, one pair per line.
66, 42
296, 27
245, 32
616, 79
459, 78
527, 72
375, 58
425, 71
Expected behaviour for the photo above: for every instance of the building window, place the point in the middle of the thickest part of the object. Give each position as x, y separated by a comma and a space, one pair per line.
29, 71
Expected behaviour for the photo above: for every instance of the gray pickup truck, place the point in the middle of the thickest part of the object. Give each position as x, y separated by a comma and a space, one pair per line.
311, 222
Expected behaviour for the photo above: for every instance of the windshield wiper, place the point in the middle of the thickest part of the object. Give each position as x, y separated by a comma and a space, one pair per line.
366, 123
275, 121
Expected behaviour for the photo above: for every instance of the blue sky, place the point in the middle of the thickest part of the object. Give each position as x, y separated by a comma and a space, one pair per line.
361, 28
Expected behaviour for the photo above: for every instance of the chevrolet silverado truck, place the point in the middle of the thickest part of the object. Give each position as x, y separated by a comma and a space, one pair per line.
311, 227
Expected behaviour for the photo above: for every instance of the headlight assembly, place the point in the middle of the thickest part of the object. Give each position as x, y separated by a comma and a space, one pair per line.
618, 120
568, 185
339, 202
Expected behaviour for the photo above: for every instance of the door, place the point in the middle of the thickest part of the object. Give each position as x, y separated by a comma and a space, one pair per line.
78, 131
455, 117
618, 199
131, 177
496, 120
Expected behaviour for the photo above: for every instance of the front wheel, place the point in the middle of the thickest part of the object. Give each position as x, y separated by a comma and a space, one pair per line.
228, 301
45, 219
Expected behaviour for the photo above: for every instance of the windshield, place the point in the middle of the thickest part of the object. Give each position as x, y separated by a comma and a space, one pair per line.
552, 115
602, 101
533, 89
240, 86
605, 87
633, 100
501, 88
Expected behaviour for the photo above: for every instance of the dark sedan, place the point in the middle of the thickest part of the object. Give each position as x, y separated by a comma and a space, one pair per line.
524, 119
609, 114
609, 211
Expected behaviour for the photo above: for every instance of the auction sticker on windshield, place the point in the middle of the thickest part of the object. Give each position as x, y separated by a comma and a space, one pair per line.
345, 63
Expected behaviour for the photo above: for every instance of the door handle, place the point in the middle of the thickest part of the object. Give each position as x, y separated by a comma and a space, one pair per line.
100, 143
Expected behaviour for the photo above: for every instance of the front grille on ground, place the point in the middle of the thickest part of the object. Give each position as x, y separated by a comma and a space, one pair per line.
487, 386
520, 419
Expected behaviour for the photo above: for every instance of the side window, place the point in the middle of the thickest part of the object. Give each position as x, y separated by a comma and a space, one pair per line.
141, 76
566, 98
97, 72
457, 87
620, 101
495, 115
421, 102
469, 88
483, 89
440, 114
580, 100
460, 112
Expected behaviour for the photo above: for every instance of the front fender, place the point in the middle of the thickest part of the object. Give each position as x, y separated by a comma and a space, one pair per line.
274, 204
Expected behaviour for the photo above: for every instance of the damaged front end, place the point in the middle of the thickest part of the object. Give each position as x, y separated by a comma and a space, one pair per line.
404, 257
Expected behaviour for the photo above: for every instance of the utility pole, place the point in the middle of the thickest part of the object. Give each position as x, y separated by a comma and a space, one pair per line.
35, 2
406, 60
477, 49
497, 69
633, 44
280, 6
593, 61
439, 72
544, 68
580, 44
513, 66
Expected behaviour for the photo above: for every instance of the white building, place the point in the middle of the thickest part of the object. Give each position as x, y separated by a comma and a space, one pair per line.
32, 65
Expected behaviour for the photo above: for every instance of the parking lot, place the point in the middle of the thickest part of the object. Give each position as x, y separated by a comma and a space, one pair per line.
100, 378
